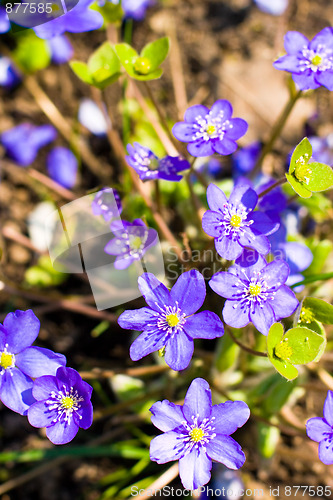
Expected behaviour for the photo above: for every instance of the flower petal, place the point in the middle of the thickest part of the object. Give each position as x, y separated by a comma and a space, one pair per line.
62, 432
39, 415
184, 132
262, 223
306, 80
149, 341
194, 112
166, 447
323, 38
284, 303
328, 408
228, 248
189, 291
245, 195
84, 416
227, 451
22, 330
194, 469
262, 317
236, 314
295, 41
221, 108
155, 293
229, 416
275, 273
216, 198
325, 78
137, 319
316, 429
204, 325
225, 146
16, 391
178, 351
326, 451
237, 128
166, 416
37, 361
288, 63
211, 223
225, 284
200, 148
198, 401
259, 242
43, 386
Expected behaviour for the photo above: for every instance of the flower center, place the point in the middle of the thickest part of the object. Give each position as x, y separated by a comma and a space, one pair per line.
6, 360
283, 350
255, 290
142, 65
317, 60
306, 316
135, 243
196, 434
172, 319
211, 129
235, 221
303, 172
65, 402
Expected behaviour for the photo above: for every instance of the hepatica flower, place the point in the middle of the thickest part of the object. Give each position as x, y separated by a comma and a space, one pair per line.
273, 7
20, 362
210, 131
132, 240
255, 292
234, 224
321, 430
311, 63
9, 77
149, 167
62, 166
63, 405
197, 433
170, 322
107, 203
136, 9
61, 49
23, 142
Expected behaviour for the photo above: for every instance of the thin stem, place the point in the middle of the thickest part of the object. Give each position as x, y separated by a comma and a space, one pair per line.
246, 348
158, 196
273, 186
277, 129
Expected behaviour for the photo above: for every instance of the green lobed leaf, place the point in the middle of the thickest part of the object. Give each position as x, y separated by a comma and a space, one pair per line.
298, 187
286, 369
319, 310
304, 345
303, 149
81, 70
156, 52
104, 63
275, 336
127, 56
321, 177
32, 54
268, 439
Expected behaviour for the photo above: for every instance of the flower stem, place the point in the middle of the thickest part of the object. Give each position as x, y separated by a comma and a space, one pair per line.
277, 129
246, 348
273, 186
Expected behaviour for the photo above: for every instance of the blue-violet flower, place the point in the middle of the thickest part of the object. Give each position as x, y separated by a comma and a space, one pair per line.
321, 430
62, 166
107, 203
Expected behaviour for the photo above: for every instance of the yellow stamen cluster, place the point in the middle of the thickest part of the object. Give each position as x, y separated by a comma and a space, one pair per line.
235, 221
316, 60
255, 290
142, 65
172, 319
283, 350
6, 360
196, 434
211, 129
67, 402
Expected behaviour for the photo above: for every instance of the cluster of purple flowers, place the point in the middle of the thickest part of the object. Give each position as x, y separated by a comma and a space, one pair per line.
35, 381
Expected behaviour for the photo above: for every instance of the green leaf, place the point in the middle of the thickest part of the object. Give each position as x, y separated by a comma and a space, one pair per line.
32, 54
320, 250
268, 438
302, 151
104, 63
304, 345
321, 177
286, 369
318, 309
299, 188
156, 52
275, 336
127, 56
81, 70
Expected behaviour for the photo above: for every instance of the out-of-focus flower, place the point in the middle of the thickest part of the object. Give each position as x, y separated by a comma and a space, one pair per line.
62, 166
20, 362
234, 224
136, 9
61, 49
107, 203
132, 240
245, 159
63, 405
9, 77
322, 149
273, 7
77, 20
197, 433
23, 142
149, 167
91, 117
321, 430
210, 131
4, 21
310, 63
170, 321
255, 292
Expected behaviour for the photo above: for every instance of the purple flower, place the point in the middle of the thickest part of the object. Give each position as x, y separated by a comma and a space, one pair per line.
77, 20
255, 292
321, 430
234, 224
322, 149
9, 77
4, 21
19, 362
210, 131
63, 405
62, 166
197, 433
136, 9
311, 63
132, 240
273, 7
170, 322
61, 49
245, 159
149, 167
23, 142
107, 203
